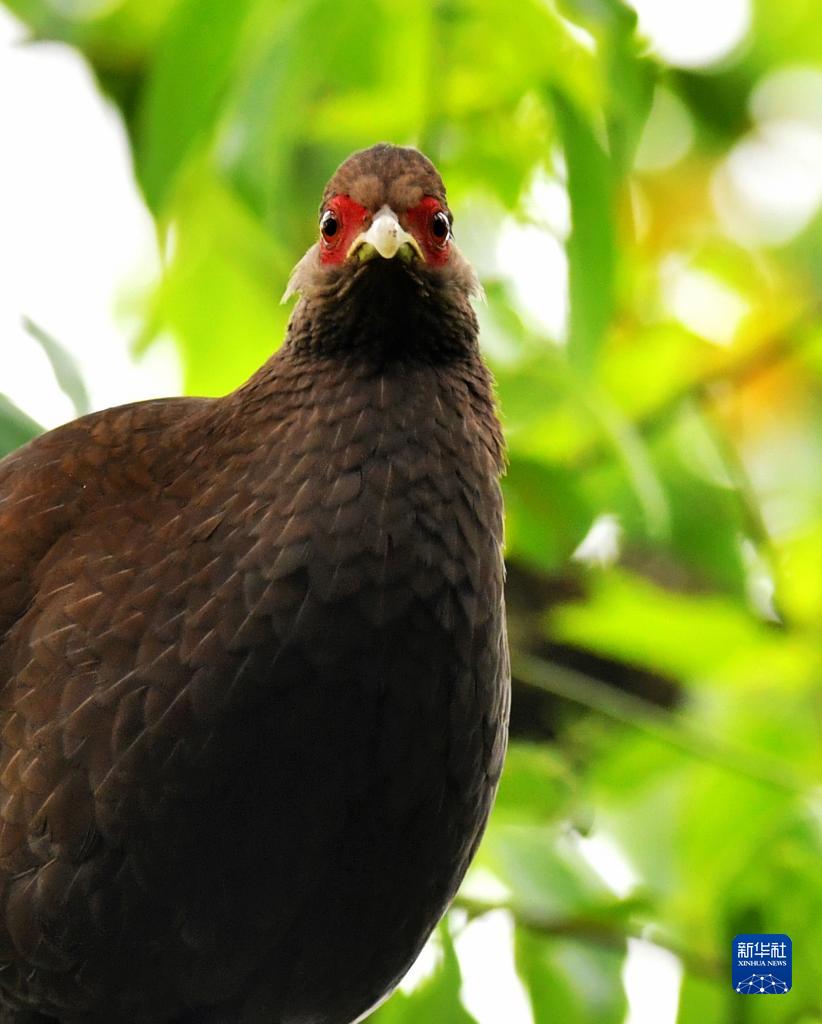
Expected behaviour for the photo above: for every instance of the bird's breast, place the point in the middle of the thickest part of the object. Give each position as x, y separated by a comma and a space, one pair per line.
382, 690
376, 508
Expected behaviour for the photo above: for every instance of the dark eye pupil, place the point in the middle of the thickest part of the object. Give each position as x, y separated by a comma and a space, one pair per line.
329, 224
440, 226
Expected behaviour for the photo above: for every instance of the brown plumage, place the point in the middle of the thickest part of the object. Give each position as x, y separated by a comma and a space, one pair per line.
252, 654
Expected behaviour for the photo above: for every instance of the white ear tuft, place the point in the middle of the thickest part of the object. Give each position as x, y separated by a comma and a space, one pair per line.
472, 281
297, 280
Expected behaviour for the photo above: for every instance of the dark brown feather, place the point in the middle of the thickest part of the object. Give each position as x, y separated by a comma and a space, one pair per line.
253, 665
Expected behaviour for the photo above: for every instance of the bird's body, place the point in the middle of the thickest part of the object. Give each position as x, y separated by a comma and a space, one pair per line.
253, 667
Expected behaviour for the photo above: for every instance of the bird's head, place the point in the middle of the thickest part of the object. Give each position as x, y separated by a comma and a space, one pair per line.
385, 257
387, 202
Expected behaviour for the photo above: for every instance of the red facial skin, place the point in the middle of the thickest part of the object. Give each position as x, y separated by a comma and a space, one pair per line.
352, 219
419, 221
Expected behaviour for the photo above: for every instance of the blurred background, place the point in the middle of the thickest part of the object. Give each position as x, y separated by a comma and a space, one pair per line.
640, 189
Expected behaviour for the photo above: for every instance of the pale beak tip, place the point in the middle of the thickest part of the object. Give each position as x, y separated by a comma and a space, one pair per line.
386, 235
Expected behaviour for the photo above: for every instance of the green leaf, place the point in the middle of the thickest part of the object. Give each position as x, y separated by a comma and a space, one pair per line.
543, 871
536, 785
65, 368
437, 998
16, 428
220, 295
280, 153
572, 980
115, 37
629, 445
546, 513
550, 990
693, 637
591, 246
698, 485
630, 78
187, 81
704, 999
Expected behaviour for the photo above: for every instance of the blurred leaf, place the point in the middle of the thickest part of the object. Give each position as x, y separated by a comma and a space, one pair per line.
275, 112
549, 989
701, 489
188, 77
800, 579
16, 428
629, 445
436, 999
630, 77
535, 786
220, 295
699, 638
543, 872
65, 368
547, 516
714, 805
702, 1000
116, 37
647, 368
571, 980
591, 246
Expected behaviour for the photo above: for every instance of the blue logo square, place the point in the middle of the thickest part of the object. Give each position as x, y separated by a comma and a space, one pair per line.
761, 964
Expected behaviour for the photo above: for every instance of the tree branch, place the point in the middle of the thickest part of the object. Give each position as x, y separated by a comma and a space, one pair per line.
672, 729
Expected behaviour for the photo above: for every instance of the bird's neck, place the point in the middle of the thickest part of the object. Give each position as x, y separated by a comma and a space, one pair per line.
404, 393
385, 315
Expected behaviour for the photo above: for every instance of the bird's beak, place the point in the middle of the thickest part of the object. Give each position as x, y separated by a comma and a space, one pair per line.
385, 237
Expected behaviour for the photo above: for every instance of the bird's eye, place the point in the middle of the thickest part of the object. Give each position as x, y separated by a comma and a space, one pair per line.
440, 226
329, 224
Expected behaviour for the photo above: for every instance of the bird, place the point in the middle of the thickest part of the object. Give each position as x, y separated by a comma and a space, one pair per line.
254, 675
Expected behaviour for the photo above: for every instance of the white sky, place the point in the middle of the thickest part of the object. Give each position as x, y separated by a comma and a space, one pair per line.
694, 33
74, 233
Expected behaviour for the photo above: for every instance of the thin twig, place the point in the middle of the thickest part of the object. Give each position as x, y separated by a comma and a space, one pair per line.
596, 931
672, 729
